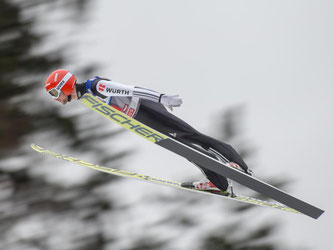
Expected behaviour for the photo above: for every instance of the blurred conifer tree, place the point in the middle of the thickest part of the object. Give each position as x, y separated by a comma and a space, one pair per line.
36, 213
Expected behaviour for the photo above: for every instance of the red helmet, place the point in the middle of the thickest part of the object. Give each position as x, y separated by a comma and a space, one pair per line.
60, 80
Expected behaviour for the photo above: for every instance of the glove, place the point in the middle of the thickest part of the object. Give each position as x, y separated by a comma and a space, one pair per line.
171, 101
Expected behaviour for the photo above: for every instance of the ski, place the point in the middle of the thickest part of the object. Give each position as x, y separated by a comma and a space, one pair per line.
199, 157
160, 181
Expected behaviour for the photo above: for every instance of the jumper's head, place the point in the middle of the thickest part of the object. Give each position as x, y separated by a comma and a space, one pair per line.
59, 82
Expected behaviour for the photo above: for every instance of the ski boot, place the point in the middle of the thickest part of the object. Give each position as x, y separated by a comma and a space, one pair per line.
205, 185
236, 166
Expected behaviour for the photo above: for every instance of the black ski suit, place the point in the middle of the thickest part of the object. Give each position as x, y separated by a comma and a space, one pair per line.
143, 105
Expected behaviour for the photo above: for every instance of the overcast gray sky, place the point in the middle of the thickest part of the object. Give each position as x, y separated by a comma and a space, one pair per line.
273, 57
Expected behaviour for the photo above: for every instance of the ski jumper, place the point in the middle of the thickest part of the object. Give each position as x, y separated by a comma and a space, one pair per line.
144, 105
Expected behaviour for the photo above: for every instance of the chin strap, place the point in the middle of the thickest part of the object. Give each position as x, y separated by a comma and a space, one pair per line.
80, 89
69, 98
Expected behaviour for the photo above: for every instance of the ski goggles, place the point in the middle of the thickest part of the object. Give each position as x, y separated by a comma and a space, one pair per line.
55, 92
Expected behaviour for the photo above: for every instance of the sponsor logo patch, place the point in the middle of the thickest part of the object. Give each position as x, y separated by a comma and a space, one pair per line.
125, 108
131, 112
122, 119
101, 87
117, 91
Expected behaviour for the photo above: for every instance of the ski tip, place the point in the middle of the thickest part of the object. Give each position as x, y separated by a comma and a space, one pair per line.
36, 147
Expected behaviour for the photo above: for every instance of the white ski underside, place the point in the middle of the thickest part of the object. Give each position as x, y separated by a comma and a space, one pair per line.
160, 181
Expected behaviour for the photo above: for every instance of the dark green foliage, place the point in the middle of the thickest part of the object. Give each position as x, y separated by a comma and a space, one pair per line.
227, 239
146, 243
28, 197
17, 74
